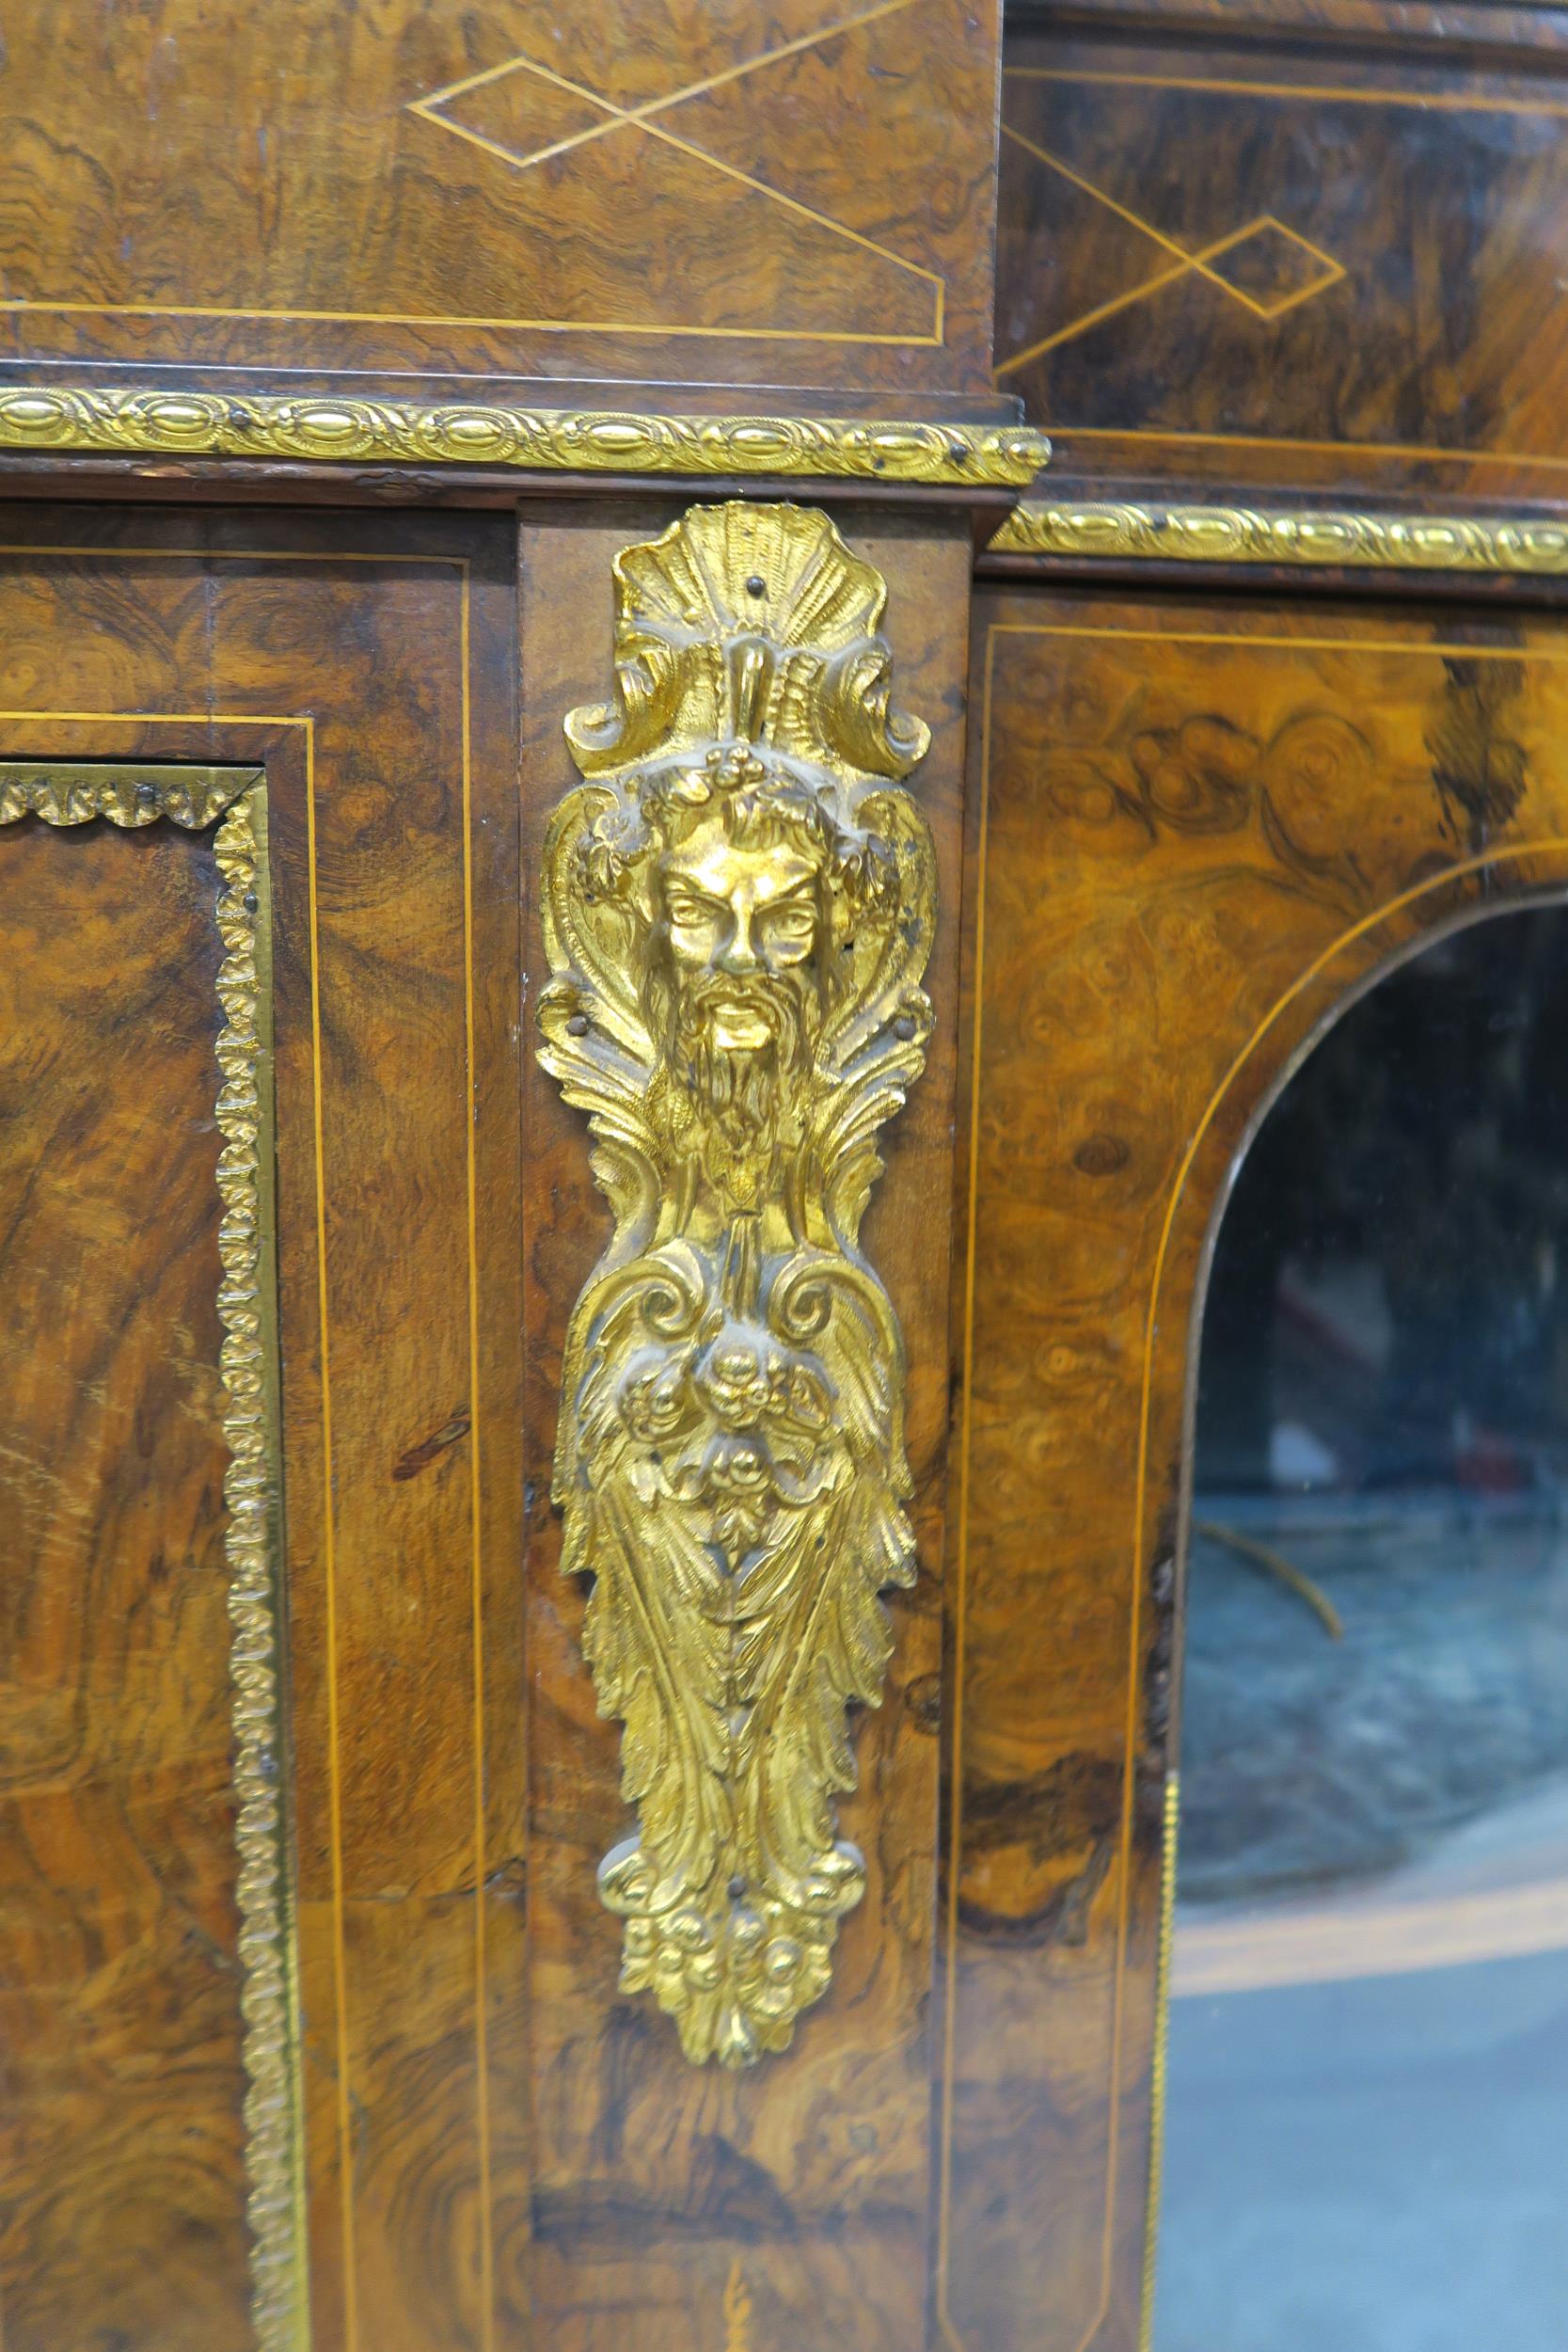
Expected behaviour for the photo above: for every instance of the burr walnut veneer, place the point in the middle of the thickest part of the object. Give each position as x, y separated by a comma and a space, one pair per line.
492, 2144
615, 1078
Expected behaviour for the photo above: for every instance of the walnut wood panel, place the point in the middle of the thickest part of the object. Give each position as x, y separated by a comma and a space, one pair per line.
1196, 831
120, 2156
794, 192
1324, 264
787, 2206
368, 665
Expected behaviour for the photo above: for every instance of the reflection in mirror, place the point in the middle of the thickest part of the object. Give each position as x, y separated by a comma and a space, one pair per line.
1367, 2106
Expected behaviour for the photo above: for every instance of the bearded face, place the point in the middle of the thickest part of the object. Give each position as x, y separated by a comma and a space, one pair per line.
739, 983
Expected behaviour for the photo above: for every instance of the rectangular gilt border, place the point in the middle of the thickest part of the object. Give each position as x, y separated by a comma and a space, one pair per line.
131, 794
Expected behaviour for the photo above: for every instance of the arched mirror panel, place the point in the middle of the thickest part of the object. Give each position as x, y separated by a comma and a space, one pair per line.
1365, 2052
1206, 836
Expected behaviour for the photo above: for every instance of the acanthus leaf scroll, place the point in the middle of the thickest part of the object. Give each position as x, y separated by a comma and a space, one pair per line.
738, 905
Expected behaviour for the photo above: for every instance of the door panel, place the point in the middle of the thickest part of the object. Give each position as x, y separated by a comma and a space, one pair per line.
368, 672
121, 2009
1199, 829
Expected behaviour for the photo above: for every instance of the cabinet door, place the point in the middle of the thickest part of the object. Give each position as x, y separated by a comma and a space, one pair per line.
258, 1479
1200, 832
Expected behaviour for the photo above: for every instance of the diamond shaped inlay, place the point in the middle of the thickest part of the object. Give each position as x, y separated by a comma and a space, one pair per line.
528, 114
1270, 267
1264, 266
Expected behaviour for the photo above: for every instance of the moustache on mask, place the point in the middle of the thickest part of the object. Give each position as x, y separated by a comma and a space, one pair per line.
769, 1001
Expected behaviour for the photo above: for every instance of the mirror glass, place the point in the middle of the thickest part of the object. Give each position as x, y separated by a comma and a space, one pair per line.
1367, 2109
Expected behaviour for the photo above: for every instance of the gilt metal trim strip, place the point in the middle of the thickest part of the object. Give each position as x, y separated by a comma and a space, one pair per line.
129, 794
1356, 539
46, 417
132, 794
739, 906
1158, 2072
251, 1364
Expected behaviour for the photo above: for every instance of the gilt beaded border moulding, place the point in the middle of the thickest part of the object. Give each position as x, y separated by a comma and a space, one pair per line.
738, 905
1304, 537
48, 418
130, 795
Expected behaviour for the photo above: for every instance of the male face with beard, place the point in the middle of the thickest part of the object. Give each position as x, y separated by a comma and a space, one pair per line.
741, 928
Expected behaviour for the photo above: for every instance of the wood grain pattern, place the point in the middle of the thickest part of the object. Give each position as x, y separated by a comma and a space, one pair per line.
794, 192
1453, 25
368, 667
1205, 827
500, 2149
652, 2181
1328, 264
121, 2082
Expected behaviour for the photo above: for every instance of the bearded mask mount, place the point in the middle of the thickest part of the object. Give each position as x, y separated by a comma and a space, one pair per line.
739, 904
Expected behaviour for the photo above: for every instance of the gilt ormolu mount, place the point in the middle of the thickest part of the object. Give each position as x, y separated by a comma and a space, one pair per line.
738, 907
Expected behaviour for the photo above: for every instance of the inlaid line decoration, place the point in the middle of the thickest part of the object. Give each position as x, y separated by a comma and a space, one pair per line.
130, 795
738, 905
1300, 268
649, 119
